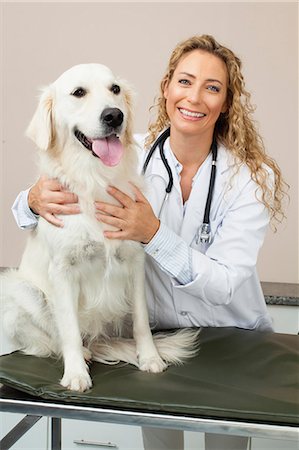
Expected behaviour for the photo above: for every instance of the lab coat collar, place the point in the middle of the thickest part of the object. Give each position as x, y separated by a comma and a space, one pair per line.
224, 161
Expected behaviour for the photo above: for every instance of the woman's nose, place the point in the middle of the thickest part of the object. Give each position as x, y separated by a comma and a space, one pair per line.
195, 95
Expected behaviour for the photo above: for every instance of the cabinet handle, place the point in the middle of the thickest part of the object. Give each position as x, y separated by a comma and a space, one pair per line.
98, 444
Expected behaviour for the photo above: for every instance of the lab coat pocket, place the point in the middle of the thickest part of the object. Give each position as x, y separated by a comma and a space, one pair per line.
202, 317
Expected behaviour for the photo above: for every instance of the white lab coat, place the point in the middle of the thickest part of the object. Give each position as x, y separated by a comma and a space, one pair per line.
225, 289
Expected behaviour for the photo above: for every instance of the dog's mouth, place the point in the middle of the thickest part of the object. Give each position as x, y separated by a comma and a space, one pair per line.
108, 149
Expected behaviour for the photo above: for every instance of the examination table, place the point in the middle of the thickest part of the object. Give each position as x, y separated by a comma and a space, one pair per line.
241, 382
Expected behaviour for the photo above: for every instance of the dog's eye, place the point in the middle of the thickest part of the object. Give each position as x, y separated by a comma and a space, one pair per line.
79, 92
115, 89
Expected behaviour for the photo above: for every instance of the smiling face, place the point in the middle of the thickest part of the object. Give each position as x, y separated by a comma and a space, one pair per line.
196, 94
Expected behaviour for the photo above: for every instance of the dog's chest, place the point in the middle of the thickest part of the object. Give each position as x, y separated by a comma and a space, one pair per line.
94, 252
87, 250
105, 275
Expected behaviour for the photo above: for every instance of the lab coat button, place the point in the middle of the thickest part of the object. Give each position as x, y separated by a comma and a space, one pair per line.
184, 313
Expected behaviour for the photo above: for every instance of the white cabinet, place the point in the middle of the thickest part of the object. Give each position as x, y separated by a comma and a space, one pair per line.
285, 318
35, 439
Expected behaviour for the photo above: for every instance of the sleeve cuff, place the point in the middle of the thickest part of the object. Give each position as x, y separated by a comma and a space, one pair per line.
23, 215
172, 254
159, 243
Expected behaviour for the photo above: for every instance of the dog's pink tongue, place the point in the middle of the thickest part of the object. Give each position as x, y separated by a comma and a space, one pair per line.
109, 150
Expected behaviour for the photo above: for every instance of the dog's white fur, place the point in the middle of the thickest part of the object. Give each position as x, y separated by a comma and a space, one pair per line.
77, 294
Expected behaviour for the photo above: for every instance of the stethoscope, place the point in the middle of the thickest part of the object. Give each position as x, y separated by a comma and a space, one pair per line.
205, 232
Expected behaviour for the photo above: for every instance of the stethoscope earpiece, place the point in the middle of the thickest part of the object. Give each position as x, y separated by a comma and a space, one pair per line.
205, 234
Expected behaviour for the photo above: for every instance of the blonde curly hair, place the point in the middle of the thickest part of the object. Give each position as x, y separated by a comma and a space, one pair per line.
235, 128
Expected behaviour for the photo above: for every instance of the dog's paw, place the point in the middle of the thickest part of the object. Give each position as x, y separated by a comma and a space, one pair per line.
154, 364
77, 382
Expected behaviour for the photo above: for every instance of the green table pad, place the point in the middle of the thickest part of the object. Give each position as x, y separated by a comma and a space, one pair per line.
237, 374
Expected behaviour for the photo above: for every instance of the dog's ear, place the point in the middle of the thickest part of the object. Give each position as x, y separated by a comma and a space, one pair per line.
129, 96
40, 129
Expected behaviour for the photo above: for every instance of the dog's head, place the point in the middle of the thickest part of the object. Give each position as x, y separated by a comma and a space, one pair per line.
86, 106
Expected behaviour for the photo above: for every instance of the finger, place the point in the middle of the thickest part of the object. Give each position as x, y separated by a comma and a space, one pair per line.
52, 184
139, 197
98, 205
123, 198
55, 208
53, 220
70, 209
115, 235
61, 197
68, 197
109, 220
112, 210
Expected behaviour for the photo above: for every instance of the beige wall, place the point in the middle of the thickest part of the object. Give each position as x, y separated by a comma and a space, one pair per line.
41, 40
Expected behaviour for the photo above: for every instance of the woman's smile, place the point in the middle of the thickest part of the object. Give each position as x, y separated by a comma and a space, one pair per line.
191, 115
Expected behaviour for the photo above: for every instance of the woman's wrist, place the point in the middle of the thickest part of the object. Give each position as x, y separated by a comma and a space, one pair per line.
31, 202
154, 229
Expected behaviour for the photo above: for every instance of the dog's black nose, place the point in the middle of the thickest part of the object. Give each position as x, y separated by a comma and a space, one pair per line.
112, 117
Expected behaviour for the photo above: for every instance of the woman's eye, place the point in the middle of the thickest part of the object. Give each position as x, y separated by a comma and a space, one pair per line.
115, 89
184, 81
214, 88
79, 92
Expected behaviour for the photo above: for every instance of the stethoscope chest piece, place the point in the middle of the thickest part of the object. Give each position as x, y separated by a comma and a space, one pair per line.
204, 236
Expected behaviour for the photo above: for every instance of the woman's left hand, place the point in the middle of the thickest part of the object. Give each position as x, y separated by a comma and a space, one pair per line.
134, 219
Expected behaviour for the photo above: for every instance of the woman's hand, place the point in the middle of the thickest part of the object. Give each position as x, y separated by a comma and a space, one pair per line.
134, 219
48, 198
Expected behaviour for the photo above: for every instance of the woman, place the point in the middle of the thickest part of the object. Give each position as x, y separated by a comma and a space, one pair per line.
190, 282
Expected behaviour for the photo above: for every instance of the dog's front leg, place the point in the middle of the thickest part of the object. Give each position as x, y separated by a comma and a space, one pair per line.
64, 298
148, 356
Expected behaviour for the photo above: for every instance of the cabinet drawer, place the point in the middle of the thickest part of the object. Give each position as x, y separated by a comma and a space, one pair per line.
83, 435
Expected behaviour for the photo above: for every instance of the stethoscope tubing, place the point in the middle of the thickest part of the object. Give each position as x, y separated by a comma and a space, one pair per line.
205, 234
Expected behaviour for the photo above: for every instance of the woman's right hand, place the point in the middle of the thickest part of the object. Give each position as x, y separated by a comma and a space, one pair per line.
48, 197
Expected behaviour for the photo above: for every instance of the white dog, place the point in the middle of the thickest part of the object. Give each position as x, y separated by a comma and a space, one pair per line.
76, 293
